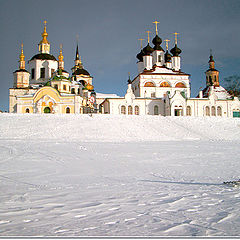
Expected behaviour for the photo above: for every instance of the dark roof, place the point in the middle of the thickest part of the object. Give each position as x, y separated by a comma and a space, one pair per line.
175, 50
21, 70
44, 56
62, 71
80, 71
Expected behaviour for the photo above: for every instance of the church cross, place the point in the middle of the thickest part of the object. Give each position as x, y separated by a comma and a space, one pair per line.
176, 37
141, 39
148, 35
156, 22
167, 40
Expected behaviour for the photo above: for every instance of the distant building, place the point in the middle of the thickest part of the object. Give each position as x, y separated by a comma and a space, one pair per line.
160, 88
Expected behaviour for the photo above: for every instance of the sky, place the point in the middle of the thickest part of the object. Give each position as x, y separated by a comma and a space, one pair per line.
108, 33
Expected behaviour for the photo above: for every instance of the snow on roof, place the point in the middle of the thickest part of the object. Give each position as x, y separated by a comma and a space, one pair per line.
220, 92
106, 95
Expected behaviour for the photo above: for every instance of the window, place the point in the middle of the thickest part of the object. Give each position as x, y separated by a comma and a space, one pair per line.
27, 110
219, 111
213, 111
207, 111
67, 110
64, 87
79, 91
52, 71
73, 91
33, 73
153, 95
136, 110
180, 85
56, 86
189, 112
123, 110
155, 110
42, 73
149, 84
159, 58
165, 84
130, 110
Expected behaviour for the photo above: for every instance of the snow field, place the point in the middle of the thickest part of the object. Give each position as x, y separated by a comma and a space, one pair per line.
111, 176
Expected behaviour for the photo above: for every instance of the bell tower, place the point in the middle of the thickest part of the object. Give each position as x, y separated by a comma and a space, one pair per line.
212, 75
21, 76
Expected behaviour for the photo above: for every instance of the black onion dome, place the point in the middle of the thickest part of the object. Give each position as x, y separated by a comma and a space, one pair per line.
168, 56
157, 42
81, 71
140, 56
44, 56
147, 50
175, 51
211, 59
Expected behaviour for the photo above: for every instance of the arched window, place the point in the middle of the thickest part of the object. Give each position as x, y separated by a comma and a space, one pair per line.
189, 111
67, 110
149, 84
73, 91
136, 110
155, 110
207, 111
180, 85
123, 109
219, 111
78, 90
130, 110
165, 84
213, 111
27, 110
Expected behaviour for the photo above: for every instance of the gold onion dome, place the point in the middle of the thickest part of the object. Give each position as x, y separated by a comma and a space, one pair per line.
44, 34
22, 57
60, 57
89, 87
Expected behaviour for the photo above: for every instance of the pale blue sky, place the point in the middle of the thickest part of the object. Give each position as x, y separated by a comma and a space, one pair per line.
108, 31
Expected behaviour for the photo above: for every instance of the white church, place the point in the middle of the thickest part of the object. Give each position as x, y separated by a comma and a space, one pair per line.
160, 88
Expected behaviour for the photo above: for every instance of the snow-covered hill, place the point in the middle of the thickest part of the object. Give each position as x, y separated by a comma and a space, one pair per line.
109, 128
70, 175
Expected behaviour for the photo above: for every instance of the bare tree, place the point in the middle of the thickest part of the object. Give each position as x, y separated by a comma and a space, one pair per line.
232, 85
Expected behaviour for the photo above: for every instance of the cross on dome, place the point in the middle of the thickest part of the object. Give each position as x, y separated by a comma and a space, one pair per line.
156, 23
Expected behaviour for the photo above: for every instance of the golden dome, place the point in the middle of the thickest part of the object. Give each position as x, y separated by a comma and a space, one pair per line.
44, 34
89, 87
22, 57
60, 57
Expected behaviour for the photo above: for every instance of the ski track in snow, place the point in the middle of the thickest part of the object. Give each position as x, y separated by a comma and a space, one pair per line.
64, 187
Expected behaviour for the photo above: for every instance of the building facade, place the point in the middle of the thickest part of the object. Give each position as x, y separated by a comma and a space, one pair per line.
160, 88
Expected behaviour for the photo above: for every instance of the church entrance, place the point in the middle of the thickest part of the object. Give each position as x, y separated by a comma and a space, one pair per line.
47, 110
178, 112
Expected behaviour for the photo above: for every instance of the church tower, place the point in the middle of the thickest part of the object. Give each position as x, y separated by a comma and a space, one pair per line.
21, 76
147, 57
44, 45
176, 59
42, 65
212, 75
158, 53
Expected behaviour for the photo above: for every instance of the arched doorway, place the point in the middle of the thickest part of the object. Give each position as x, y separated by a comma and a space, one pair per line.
47, 110
67, 110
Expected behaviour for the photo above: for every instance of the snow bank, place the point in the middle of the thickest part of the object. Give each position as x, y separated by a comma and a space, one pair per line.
109, 128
